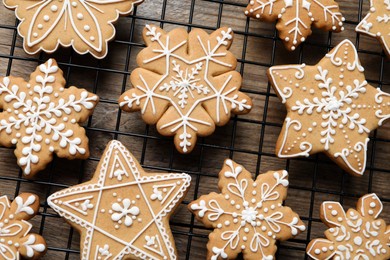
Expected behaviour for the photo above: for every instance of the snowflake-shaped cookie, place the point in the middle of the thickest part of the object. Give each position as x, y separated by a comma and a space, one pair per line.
41, 117
377, 23
357, 234
186, 84
331, 108
295, 17
15, 239
86, 25
247, 216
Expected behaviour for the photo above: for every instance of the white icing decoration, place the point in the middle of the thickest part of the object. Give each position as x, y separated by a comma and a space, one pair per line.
24, 206
31, 246
41, 28
354, 236
253, 216
191, 81
103, 252
38, 113
123, 210
297, 12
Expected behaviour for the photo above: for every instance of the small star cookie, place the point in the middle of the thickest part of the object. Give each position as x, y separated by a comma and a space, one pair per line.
295, 17
247, 216
15, 239
357, 234
123, 212
186, 84
331, 108
86, 25
377, 23
41, 117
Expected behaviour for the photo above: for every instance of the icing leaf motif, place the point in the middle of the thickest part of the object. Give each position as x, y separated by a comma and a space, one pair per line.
86, 25
18, 242
295, 17
186, 84
125, 215
247, 216
377, 23
40, 117
331, 108
356, 234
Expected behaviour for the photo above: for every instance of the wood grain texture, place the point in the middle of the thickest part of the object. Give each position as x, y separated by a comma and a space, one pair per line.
249, 141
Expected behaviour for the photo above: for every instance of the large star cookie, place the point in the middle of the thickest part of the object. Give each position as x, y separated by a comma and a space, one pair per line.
331, 108
41, 117
15, 239
86, 25
123, 212
247, 216
187, 84
295, 17
357, 234
377, 23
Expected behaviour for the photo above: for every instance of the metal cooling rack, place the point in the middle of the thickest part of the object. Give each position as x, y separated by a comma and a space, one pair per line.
191, 236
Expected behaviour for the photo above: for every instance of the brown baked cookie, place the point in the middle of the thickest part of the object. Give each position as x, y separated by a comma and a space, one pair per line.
123, 212
357, 234
15, 239
186, 83
331, 108
247, 216
377, 23
295, 17
41, 117
86, 25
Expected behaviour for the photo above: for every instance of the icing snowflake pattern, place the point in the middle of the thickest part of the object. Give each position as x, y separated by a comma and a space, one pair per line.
131, 224
15, 239
40, 117
333, 111
247, 216
86, 25
356, 234
377, 23
295, 17
186, 84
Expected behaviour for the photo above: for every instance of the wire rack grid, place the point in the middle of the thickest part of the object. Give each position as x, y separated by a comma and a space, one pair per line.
248, 139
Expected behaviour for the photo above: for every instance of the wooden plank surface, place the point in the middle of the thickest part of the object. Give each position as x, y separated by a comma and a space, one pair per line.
312, 180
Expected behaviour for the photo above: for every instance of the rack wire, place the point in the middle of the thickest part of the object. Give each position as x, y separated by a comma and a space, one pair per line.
247, 139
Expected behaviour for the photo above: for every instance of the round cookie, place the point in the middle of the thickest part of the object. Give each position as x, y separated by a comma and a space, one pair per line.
86, 25
186, 84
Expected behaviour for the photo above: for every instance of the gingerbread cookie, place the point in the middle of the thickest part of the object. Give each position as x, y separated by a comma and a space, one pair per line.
247, 216
331, 108
377, 23
295, 17
186, 83
15, 239
357, 234
41, 117
86, 25
123, 212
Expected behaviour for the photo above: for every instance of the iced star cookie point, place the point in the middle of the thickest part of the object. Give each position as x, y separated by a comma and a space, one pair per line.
41, 117
247, 216
331, 108
123, 211
186, 84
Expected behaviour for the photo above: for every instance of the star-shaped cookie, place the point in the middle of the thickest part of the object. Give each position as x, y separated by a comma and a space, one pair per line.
247, 216
123, 212
356, 234
41, 117
331, 108
295, 17
16, 241
377, 23
86, 25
